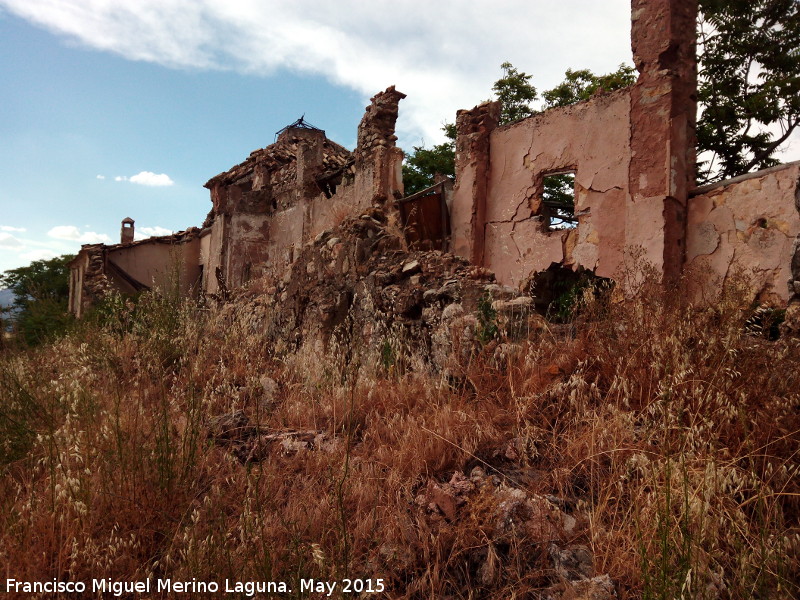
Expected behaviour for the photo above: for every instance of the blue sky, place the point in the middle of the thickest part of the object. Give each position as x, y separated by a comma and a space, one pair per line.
114, 109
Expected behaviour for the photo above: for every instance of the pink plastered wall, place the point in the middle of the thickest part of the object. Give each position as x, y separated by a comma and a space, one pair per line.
592, 139
744, 229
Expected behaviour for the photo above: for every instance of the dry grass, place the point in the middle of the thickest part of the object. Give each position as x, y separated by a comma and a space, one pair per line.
672, 430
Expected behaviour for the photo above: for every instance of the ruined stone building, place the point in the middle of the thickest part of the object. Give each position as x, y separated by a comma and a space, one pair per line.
631, 153
263, 211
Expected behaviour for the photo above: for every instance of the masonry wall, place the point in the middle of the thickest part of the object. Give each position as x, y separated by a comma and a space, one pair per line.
268, 207
745, 227
632, 153
250, 244
590, 138
77, 274
159, 265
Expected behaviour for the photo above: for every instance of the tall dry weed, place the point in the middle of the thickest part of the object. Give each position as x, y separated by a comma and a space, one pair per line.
669, 431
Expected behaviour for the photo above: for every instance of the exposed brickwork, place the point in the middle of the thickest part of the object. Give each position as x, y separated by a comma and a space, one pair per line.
376, 129
663, 109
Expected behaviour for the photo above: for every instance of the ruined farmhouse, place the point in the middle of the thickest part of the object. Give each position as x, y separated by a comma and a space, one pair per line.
632, 154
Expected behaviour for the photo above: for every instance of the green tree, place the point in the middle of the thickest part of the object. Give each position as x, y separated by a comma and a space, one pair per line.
515, 93
583, 84
41, 293
749, 79
422, 165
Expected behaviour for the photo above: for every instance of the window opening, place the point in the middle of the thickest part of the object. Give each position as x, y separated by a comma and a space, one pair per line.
558, 195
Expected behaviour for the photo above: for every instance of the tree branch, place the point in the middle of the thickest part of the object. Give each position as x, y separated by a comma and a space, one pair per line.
765, 152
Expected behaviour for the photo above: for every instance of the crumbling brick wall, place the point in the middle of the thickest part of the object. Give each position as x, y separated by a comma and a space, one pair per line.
745, 227
473, 128
267, 207
631, 151
88, 281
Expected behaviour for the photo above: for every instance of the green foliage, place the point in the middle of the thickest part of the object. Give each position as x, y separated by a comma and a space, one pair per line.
422, 165
749, 79
559, 197
40, 280
387, 358
563, 307
567, 293
43, 320
583, 84
515, 93
23, 413
41, 294
487, 320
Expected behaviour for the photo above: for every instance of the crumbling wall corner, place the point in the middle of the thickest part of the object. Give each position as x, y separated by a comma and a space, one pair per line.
378, 161
474, 128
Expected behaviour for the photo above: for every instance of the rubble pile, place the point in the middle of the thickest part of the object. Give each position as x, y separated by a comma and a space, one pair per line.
361, 281
510, 516
250, 443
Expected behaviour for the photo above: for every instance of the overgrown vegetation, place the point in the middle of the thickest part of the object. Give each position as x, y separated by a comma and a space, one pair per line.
669, 432
423, 164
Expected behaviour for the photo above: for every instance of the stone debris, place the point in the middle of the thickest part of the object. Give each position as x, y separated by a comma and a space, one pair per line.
359, 279
411, 267
233, 426
509, 514
282, 443
596, 588
573, 563
376, 129
270, 393
250, 443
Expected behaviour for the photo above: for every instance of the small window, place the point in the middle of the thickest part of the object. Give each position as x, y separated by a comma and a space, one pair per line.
558, 196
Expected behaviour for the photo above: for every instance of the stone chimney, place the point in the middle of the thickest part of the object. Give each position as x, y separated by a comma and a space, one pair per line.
126, 233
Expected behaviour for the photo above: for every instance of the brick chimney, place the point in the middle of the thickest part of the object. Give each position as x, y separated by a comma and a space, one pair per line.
126, 233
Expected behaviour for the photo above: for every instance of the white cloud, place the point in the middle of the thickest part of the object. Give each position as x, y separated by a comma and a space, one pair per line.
38, 254
9, 228
151, 179
72, 233
142, 233
9, 241
147, 178
101, 176
65, 232
444, 55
